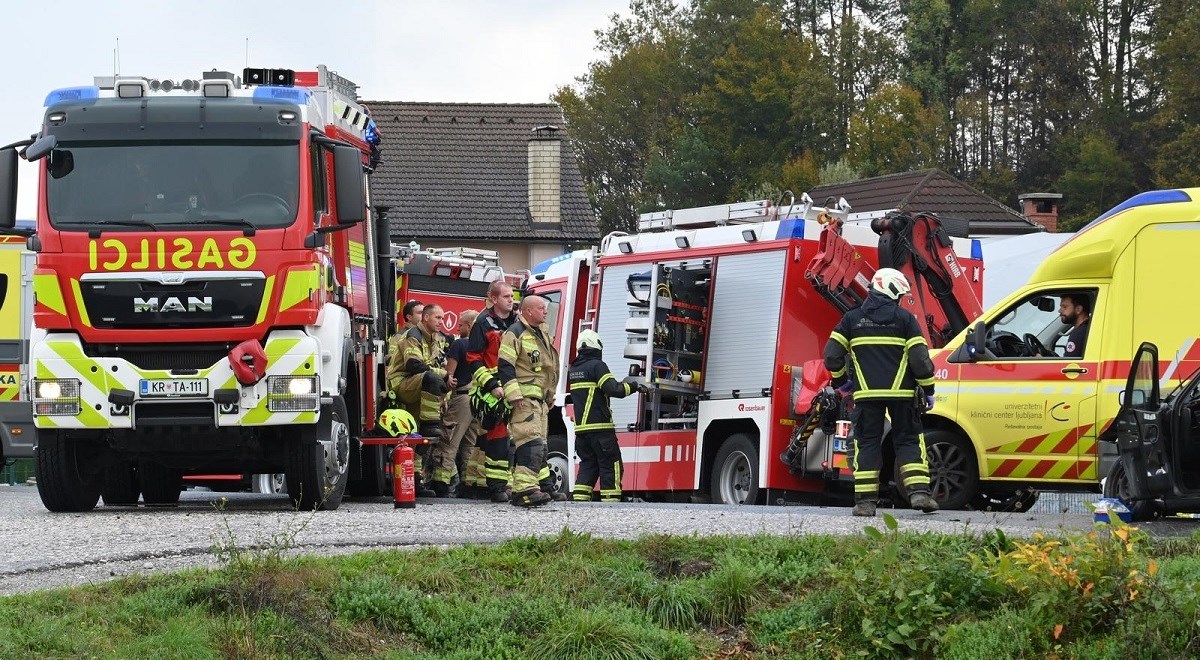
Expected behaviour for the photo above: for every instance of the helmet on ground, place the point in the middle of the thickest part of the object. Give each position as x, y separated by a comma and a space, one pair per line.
589, 339
397, 422
890, 282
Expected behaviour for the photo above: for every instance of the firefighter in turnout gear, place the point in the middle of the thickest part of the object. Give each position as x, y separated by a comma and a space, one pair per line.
418, 377
891, 360
592, 385
528, 370
483, 346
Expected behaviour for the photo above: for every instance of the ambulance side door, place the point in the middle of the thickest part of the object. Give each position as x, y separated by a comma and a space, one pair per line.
1028, 410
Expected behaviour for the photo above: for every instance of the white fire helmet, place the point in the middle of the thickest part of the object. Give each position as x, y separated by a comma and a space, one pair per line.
589, 339
890, 282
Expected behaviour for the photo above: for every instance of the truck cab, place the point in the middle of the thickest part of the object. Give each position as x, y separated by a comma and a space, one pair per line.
1022, 400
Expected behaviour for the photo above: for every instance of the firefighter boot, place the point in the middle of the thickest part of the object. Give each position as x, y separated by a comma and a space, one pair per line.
439, 488
864, 508
921, 501
530, 498
498, 496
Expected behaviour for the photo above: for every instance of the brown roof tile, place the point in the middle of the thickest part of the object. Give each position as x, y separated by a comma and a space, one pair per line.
460, 170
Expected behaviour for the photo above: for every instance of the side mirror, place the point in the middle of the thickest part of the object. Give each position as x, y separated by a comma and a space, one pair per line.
977, 342
350, 181
1044, 304
40, 148
8, 188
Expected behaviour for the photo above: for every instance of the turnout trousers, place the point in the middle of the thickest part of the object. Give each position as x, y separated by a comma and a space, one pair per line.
599, 456
908, 440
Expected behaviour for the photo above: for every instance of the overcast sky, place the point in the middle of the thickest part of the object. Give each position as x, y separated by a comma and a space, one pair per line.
506, 51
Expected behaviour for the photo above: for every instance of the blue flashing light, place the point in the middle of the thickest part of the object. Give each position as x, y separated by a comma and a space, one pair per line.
544, 266
1143, 199
269, 94
791, 228
68, 94
976, 249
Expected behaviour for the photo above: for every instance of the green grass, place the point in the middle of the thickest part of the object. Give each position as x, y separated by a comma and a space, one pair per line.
881, 594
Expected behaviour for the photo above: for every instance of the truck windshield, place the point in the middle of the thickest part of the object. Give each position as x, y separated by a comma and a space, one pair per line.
132, 185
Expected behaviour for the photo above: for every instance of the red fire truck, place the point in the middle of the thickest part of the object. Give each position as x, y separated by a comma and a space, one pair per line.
725, 310
455, 278
207, 286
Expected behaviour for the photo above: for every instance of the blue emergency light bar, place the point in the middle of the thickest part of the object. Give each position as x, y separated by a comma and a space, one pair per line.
66, 94
297, 95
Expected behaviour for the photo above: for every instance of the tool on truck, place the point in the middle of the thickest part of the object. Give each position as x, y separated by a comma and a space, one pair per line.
716, 308
207, 286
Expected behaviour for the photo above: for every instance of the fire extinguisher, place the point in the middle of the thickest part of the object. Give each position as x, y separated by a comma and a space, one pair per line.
404, 490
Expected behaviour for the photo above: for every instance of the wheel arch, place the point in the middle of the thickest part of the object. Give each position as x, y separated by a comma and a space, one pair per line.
715, 435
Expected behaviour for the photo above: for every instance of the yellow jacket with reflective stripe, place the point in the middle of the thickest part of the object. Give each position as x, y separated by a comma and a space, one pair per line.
886, 349
528, 363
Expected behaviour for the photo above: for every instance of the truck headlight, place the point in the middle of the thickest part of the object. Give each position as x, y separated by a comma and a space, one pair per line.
56, 396
293, 394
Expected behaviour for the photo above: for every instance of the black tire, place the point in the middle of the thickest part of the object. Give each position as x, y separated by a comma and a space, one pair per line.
268, 484
63, 482
369, 463
953, 472
1017, 500
1116, 485
121, 486
160, 484
318, 461
559, 463
734, 478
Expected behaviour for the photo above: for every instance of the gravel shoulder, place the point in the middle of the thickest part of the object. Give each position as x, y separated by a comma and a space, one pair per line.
42, 550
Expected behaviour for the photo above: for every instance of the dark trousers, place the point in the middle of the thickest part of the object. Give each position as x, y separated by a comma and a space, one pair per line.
599, 456
908, 440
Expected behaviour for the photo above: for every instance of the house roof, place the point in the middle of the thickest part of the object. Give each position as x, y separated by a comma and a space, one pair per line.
460, 171
964, 210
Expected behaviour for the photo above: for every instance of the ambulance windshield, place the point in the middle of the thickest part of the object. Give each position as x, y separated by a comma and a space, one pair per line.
173, 185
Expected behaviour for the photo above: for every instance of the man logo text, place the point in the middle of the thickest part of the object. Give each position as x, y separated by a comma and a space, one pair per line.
172, 304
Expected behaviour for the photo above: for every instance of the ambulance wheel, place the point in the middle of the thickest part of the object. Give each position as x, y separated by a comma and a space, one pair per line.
735, 471
1017, 500
318, 466
64, 483
268, 484
1116, 485
953, 472
559, 463
121, 486
160, 484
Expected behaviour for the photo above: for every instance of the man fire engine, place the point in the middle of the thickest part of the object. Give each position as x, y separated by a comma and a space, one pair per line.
206, 287
724, 312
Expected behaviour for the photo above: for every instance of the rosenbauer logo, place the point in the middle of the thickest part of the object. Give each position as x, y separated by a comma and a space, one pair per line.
750, 408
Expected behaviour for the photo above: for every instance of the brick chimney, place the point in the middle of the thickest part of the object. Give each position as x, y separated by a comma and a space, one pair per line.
545, 175
1041, 208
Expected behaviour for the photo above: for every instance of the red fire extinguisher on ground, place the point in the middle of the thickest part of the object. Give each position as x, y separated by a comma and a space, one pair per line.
404, 490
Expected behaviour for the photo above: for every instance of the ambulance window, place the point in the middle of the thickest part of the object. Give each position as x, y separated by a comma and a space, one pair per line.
1036, 316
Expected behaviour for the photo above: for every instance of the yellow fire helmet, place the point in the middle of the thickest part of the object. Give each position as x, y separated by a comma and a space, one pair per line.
397, 422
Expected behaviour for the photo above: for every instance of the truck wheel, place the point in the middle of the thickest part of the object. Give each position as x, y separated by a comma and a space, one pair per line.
735, 471
62, 479
373, 480
1019, 500
160, 484
953, 473
1116, 485
121, 486
268, 484
559, 463
317, 466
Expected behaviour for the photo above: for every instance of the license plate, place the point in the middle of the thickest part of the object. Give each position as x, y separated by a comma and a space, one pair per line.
174, 387
841, 445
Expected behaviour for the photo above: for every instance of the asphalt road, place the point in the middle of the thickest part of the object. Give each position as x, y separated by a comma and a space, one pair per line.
42, 550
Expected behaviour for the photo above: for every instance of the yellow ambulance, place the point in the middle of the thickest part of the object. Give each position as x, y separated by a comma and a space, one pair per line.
1024, 394
17, 434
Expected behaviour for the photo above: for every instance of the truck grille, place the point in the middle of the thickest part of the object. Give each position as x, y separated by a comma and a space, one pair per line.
163, 356
195, 302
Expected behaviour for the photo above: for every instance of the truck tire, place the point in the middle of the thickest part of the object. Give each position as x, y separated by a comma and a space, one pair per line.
318, 466
372, 480
63, 485
1116, 485
559, 463
160, 484
268, 484
953, 472
735, 471
121, 486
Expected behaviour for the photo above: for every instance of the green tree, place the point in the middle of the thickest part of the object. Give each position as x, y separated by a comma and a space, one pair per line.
1100, 179
894, 132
